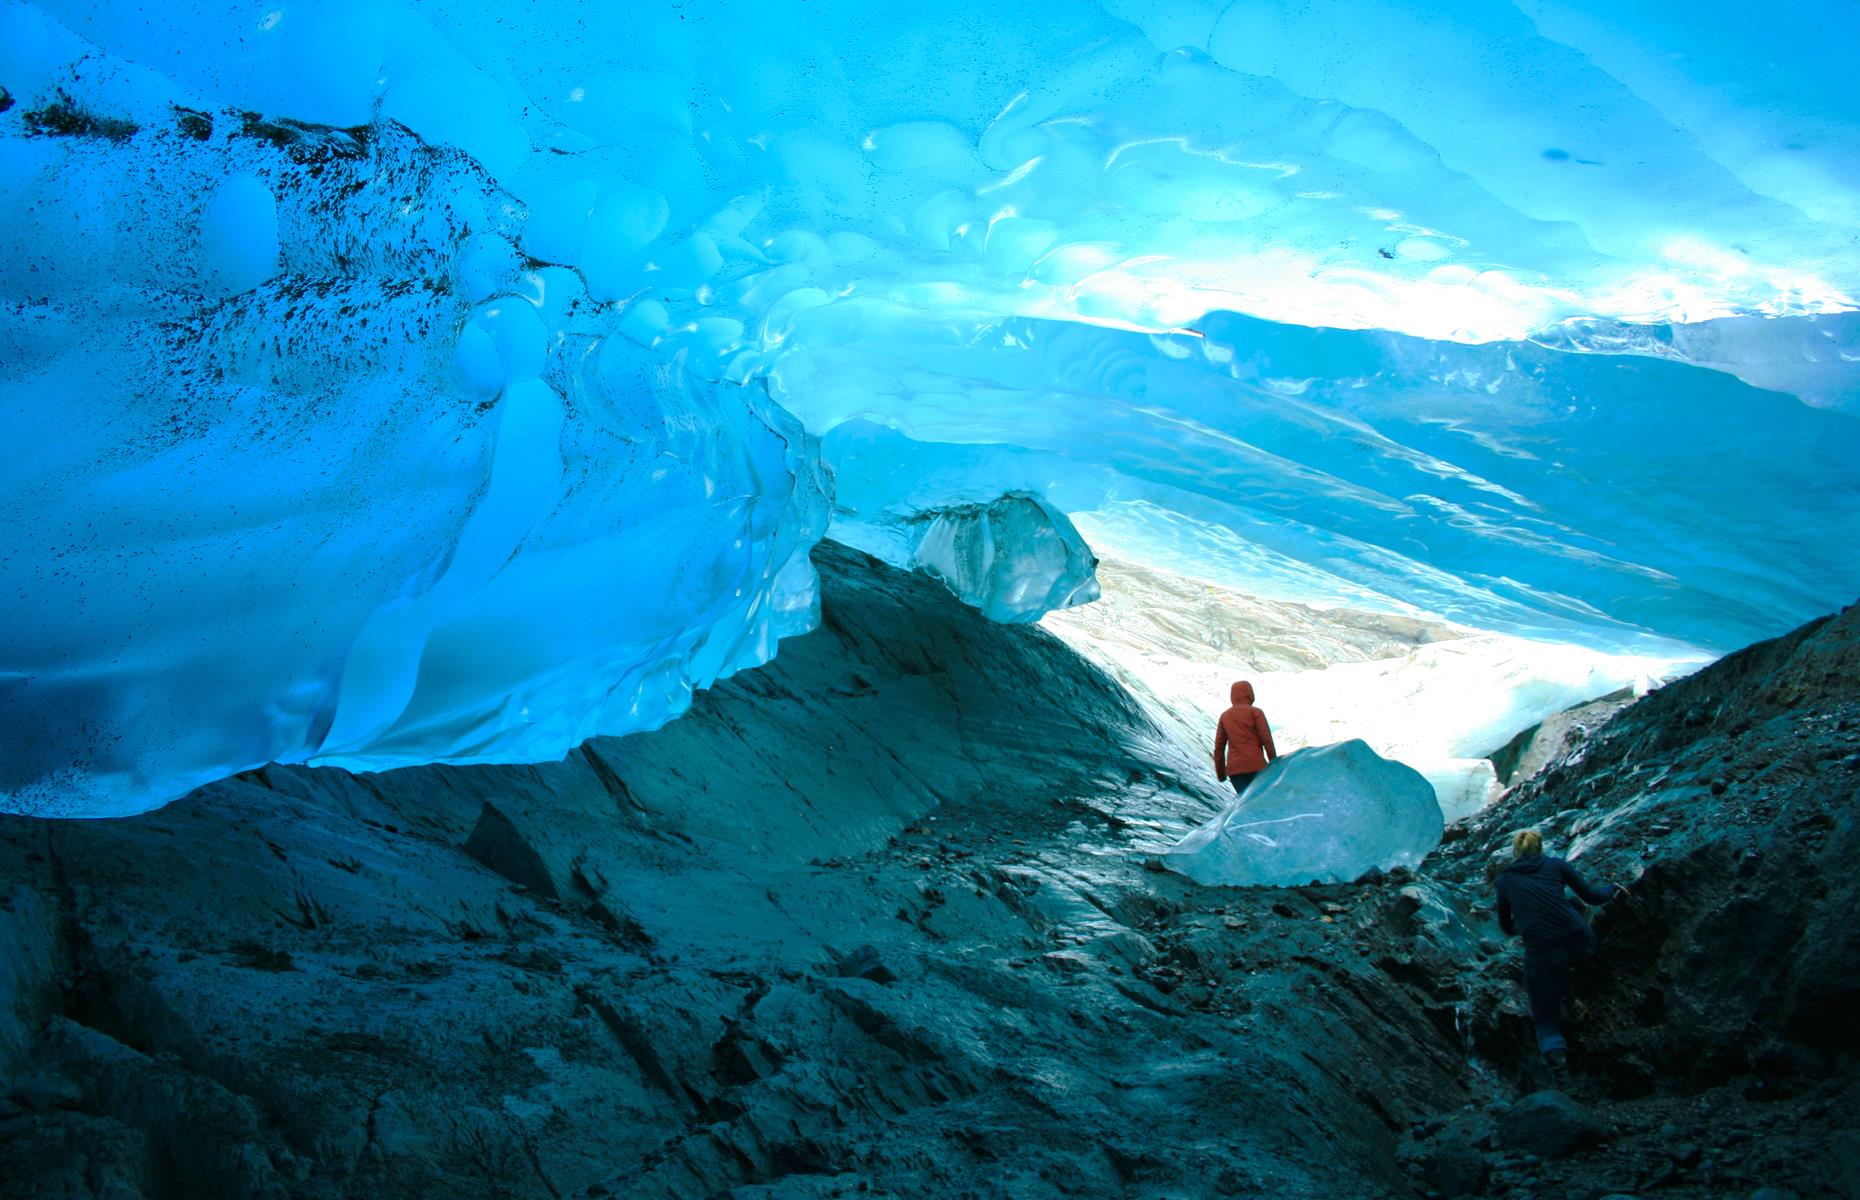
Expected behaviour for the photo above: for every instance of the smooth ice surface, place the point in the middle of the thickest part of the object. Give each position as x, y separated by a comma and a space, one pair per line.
1326, 813
447, 379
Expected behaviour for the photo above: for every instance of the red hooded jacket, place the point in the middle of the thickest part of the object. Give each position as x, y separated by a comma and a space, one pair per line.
1242, 740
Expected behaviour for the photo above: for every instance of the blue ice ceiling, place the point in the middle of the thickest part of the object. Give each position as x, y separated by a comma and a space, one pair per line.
390, 383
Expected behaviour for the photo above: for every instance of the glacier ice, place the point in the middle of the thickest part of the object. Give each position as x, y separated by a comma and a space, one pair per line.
1460, 170
432, 380
1434, 696
1621, 499
1326, 813
1809, 357
399, 499
1016, 558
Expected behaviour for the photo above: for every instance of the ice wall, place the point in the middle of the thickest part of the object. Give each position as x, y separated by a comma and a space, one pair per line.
397, 381
306, 461
1624, 499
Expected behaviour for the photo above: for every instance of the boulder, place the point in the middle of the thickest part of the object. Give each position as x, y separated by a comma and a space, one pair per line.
1454, 1167
1550, 1125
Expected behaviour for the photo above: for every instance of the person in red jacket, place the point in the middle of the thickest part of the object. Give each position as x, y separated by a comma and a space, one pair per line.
1242, 740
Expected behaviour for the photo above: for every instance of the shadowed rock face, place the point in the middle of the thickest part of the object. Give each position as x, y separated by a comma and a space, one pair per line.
1717, 1027
877, 916
1731, 797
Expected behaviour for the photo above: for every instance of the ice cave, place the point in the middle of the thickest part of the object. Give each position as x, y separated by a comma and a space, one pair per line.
631, 598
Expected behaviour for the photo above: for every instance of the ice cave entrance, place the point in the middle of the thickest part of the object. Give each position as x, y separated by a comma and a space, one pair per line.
414, 382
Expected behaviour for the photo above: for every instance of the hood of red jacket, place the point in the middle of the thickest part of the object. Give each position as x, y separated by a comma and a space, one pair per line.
1242, 693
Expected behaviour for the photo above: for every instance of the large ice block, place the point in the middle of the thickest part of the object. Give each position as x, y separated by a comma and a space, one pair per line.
1325, 813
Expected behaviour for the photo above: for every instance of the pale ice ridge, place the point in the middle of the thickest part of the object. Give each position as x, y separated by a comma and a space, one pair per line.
1324, 814
1812, 358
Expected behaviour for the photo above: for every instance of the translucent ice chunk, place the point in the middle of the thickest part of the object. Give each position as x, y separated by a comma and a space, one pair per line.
1327, 813
1016, 559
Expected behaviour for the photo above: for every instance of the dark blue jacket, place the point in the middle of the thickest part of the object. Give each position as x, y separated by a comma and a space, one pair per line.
1531, 901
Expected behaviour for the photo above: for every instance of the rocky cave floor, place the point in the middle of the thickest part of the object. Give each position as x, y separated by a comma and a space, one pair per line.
882, 918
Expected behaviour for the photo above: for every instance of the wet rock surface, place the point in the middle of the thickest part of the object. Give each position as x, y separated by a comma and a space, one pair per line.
1549, 1124
882, 919
1703, 1032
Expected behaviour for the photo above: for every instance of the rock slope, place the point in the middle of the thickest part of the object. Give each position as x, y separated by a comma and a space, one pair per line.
1717, 1029
874, 917
879, 919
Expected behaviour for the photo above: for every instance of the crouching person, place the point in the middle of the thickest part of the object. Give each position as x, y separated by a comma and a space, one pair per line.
1556, 933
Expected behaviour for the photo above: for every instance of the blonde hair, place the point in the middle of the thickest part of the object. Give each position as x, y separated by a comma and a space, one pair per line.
1526, 842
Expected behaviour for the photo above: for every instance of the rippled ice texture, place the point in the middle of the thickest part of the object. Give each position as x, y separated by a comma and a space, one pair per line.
405, 499
396, 382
